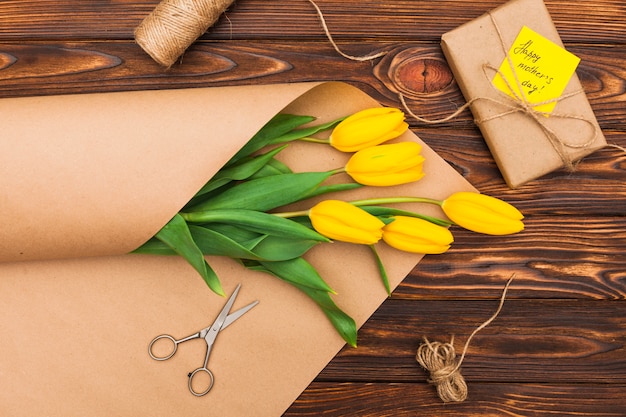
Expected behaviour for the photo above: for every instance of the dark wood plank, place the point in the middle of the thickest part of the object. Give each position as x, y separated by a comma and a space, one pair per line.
91, 67
511, 399
543, 341
568, 258
597, 177
259, 19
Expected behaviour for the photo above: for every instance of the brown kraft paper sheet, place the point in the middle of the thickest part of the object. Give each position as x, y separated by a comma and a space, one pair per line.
518, 144
86, 179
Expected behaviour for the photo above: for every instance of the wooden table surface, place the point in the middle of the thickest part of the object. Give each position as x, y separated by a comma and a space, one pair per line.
558, 345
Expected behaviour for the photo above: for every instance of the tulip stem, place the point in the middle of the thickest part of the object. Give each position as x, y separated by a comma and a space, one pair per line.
314, 140
337, 171
289, 214
367, 202
381, 269
391, 200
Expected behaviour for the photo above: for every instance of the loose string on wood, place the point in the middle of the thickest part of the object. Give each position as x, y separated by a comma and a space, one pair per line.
439, 359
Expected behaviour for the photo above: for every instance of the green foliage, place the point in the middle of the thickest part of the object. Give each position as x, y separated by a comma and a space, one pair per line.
177, 236
229, 217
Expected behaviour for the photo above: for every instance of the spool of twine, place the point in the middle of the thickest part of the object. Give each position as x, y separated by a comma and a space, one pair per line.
167, 32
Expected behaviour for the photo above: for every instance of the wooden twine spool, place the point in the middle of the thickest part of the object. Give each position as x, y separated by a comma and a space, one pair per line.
174, 25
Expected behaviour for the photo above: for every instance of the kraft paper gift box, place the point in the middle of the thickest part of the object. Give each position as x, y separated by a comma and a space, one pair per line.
88, 178
525, 147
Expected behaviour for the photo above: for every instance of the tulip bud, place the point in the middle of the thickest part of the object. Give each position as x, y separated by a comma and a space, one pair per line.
342, 221
368, 128
412, 234
483, 214
384, 165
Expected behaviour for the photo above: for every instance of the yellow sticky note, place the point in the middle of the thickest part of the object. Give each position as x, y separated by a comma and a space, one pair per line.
542, 70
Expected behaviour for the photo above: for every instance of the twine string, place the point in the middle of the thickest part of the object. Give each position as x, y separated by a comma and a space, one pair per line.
439, 359
334, 44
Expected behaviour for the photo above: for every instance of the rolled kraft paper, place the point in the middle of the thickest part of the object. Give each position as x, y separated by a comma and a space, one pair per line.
84, 173
103, 182
167, 32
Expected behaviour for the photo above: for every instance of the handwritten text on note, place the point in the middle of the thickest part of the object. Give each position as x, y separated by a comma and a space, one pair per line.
542, 70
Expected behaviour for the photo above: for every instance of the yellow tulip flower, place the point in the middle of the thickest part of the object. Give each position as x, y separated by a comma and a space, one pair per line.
384, 165
483, 214
368, 128
412, 234
342, 221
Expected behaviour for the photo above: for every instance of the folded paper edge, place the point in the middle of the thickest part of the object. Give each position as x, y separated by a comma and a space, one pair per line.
41, 222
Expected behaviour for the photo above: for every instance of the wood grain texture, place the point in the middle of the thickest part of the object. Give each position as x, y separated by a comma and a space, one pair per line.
95, 66
510, 399
559, 345
259, 19
534, 335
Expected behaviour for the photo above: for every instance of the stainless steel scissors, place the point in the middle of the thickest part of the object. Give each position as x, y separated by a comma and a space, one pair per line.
209, 334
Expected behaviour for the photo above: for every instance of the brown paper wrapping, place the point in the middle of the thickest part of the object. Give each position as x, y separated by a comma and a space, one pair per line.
91, 177
518, 144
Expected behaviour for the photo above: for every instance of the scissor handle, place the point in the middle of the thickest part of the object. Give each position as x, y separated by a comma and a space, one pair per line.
192, 374
167, 356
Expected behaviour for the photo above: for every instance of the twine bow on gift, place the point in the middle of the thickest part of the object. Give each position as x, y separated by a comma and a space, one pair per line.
518, 103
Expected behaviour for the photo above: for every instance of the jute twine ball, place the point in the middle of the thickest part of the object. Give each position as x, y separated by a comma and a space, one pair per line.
167, 32
439, 359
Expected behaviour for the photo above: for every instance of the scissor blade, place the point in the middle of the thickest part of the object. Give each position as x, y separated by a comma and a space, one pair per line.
221, 318
236, 314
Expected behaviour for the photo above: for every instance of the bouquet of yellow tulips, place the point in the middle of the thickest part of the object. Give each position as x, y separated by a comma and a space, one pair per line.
238, 212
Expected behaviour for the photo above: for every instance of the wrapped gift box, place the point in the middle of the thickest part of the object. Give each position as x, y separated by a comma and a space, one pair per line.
525, 146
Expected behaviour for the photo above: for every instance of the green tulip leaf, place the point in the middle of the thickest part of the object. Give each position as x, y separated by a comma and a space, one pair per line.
211, 242
334, 188
305, 132
246, 238
177, 236
256, 221
275, 248
266, 247
240, 171
155, 247
381, 211
266, 193
278, 126
273, 167
342, 322
297, 271
381, 270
